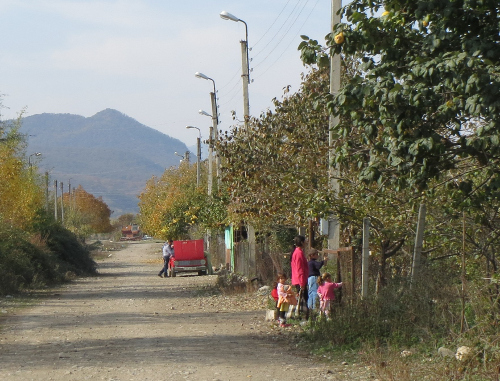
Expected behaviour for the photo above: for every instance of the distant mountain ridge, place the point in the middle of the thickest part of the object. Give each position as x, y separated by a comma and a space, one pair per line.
110, 154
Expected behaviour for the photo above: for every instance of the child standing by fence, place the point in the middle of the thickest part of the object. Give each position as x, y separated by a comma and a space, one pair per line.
326, 292
285, 299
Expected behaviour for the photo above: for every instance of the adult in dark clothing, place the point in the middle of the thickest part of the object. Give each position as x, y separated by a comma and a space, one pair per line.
314, 272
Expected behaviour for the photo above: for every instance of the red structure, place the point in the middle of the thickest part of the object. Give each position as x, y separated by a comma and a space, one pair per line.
189, 256
131, 233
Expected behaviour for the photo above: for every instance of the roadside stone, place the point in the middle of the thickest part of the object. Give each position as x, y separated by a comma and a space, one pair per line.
463, 353
445, 352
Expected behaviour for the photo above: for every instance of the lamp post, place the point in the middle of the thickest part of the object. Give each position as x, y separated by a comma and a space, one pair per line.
210, 154
246, 110
214, 133
69, 192
62, 203
198, 154
245, 62
178, 154
33, 154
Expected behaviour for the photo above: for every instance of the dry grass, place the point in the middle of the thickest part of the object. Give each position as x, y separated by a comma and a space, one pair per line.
411, 365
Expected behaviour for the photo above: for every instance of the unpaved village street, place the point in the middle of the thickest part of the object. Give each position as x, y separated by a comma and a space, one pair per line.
129, 324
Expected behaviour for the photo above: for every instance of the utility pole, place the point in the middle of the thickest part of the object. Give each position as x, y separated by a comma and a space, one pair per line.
210, 161
365, 258
69, 193
246, 80
215, 126
62, 203
55, 199
198, 160
46, 190
419, 241
333, 225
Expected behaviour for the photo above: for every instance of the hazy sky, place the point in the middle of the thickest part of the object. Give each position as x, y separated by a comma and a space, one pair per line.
139, 57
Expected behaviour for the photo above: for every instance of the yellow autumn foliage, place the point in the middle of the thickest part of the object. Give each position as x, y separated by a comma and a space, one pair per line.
21, 193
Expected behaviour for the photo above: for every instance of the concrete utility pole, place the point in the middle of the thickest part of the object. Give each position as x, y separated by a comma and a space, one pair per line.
215, 126
46, 190
210, 161
245, 65
69, 193
62, 203
365, 258
198, 154
333, 225
55, 199
419, 239
246, 78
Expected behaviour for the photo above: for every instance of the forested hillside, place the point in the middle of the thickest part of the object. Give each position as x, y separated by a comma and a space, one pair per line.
109, 154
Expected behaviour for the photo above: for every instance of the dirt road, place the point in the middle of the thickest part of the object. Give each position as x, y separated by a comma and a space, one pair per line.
129, 324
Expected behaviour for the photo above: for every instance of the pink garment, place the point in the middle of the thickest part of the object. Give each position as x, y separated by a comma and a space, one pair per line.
300, 268
326, 290
285, 295
281, 290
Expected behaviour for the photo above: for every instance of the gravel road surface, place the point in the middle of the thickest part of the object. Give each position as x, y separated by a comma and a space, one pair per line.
129, 324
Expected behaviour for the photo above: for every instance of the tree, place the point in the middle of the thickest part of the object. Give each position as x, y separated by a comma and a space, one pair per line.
86, 214
172, 204
275, 169
427, 97
21, 194
123, 220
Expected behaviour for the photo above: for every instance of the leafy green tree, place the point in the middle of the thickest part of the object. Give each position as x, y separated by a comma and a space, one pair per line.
275, 170
427, 97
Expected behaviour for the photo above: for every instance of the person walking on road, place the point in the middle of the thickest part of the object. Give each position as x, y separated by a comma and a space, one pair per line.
168, 252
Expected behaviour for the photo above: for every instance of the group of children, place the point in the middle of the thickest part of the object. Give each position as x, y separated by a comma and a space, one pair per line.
285, 297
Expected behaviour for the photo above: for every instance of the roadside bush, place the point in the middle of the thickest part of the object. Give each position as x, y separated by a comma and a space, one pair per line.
398, 316
40, 257
23, 263
73, 254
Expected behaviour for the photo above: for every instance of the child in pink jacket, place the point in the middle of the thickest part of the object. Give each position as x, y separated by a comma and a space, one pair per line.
326, 292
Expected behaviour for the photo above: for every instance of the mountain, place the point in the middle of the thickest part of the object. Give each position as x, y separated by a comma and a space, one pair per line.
109, 154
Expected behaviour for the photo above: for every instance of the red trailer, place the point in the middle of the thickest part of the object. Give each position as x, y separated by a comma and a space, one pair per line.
189, 256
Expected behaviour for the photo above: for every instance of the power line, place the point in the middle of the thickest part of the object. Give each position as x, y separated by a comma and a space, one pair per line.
279, 30
285, 34
291, 41
274, 22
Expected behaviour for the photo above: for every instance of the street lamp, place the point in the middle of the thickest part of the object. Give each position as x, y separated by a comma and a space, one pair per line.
212, 96
69, 191
198, 156
214, 131
245, 62
33, 154
182, 157
211, 153
201, 112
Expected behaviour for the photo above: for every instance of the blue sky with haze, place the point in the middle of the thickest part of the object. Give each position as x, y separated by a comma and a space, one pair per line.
139, 57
